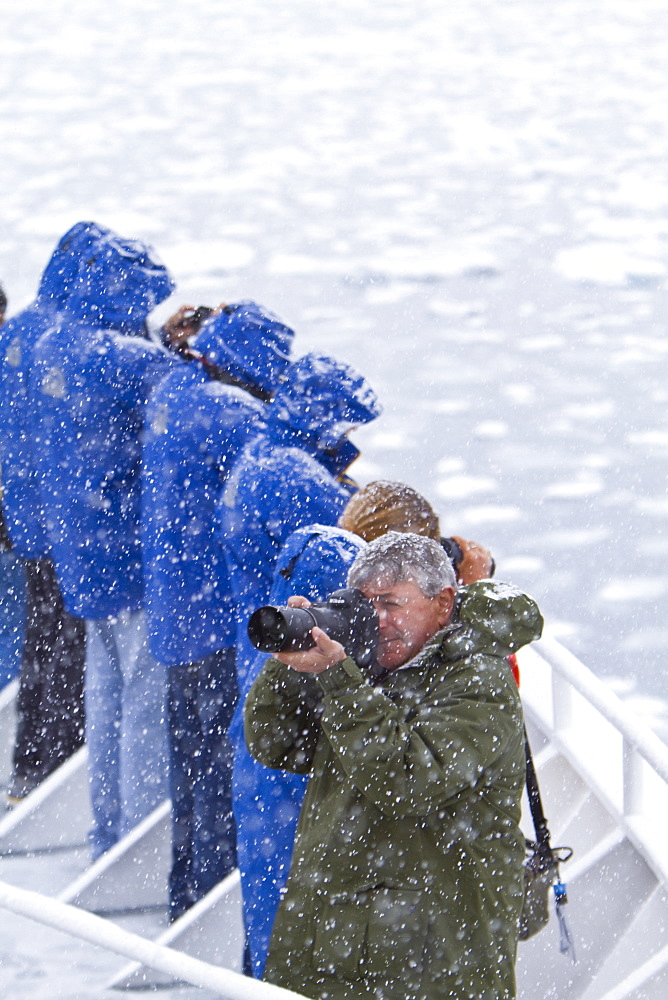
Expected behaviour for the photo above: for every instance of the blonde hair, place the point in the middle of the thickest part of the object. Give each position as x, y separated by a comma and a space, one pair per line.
384, 506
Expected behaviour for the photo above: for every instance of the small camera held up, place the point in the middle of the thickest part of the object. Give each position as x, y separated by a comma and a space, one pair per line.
198, 316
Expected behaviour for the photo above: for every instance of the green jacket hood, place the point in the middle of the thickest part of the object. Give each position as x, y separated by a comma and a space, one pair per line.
499, 618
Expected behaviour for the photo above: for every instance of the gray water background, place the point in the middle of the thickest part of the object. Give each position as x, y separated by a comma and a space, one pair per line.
465, 200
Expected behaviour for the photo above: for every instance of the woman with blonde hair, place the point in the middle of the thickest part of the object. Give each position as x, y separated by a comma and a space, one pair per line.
384, 506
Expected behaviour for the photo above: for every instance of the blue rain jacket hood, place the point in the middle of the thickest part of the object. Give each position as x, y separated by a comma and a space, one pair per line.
61, 274
118, 284
18, 336
322, 399
247, 341
90, 386
195, 428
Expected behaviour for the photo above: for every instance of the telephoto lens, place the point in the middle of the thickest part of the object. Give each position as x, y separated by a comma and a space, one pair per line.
346, 616
282, 629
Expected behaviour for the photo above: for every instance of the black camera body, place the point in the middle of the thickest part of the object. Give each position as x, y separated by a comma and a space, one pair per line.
198, 316
346, 616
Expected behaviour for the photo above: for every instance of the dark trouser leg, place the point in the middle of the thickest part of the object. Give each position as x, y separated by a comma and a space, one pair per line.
50, 723
183, 752
202, 700
64, 689
215, 850
12, 615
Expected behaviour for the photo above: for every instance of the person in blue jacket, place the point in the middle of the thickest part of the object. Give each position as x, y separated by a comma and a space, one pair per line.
197, 419
290, 475
314, 562
18, 336
50, 709
93, 371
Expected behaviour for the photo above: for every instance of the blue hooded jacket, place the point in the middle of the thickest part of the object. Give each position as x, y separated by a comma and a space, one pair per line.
279, 482
91, 383
18, 336
195, 427
314, 562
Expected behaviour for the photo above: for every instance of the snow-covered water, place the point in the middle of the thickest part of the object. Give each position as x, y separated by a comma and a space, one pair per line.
466, 200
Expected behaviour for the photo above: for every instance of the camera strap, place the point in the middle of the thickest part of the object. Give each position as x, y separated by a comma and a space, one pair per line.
218, 374
546, 856
288, 570
543, 848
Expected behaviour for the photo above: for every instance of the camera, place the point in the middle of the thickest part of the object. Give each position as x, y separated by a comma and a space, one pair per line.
346, 616
197, 316
453, 551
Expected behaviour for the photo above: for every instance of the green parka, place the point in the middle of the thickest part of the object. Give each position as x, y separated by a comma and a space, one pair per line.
406, 878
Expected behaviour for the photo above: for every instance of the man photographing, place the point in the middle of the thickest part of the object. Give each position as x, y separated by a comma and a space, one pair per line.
406, 878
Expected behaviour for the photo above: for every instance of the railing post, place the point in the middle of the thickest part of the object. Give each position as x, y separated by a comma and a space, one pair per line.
632, 779
562, 702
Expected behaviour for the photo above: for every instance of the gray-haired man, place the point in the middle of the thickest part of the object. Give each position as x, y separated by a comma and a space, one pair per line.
406, 878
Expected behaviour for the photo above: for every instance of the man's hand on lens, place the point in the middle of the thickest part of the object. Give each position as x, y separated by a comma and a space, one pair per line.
326, 652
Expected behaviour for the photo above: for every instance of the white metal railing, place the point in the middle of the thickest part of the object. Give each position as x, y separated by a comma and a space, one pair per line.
638, 739
88, 927
627, 765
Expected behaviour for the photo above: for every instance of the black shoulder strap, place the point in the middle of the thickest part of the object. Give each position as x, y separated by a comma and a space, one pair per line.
543, 847
289, 568
218, 374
